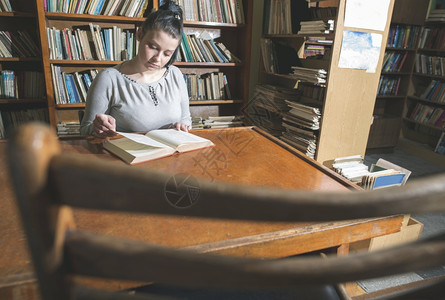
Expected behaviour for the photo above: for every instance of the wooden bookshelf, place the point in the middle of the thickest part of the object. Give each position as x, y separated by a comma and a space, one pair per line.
406, 22
349, 95
21, 98
421, 126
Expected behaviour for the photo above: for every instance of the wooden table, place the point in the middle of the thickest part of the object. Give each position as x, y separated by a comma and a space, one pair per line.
243, 155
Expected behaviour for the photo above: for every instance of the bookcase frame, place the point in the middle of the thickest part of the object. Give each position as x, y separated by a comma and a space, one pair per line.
22, 18
389, 110
237, 37
349, 97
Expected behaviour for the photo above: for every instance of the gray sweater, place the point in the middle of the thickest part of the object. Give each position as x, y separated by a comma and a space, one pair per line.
132, 103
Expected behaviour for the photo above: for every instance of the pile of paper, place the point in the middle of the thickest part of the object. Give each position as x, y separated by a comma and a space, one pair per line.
316, 27
301, 123
316, 76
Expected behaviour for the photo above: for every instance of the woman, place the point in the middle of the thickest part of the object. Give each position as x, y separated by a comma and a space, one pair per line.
146, 92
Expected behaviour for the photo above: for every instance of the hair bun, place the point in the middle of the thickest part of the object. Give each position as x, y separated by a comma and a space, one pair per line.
170, 5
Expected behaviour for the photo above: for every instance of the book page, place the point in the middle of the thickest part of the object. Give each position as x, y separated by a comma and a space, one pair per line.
175, 138
143, 139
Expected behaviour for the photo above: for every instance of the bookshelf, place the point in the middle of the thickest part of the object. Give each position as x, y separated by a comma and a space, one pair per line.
395, 80
235, 35
346, 100
22, 98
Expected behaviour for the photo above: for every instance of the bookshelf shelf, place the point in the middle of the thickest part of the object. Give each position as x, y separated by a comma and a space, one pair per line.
429, 76
386, 97
414, 98
85, 62
4, 101
206, 64
17, 14
404, 32
91, 18
19, 59
424, 124
210, 102
212, 24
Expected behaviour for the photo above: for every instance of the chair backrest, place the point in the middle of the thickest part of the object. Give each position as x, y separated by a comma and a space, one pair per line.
48, 183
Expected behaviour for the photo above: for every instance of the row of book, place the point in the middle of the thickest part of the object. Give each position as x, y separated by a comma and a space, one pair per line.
314, 92
21, 84
316, 27
429, 115
393, 61
432, 38
402, 36
71, 87
388, 86
92, 42
284, 16
317, 13
199, 49
208, 86
127, 8
5, 6
17, 44
435, 91
12, 118
220, 11
431, 65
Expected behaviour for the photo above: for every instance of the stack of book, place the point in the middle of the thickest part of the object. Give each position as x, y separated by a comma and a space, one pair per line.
68, 129
217, 122
316, 76
351, 167
436, 15
301, 123
316, 27
268, 105
384, 174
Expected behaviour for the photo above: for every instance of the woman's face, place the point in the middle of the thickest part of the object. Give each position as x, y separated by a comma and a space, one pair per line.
156, 48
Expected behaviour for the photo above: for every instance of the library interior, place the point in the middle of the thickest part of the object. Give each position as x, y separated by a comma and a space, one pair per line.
314, 167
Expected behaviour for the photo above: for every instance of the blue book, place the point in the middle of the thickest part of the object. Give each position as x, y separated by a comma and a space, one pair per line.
388, 180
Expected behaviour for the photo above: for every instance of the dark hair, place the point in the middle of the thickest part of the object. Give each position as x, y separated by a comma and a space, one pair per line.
167, 18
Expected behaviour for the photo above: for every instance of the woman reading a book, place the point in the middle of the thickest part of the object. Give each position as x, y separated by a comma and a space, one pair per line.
146, 92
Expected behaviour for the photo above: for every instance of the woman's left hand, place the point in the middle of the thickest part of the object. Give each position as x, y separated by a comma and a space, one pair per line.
182, 127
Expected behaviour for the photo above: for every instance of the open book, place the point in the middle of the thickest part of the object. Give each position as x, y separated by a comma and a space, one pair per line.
135, 148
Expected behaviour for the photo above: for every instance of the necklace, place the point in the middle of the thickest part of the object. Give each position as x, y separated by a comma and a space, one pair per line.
153, 95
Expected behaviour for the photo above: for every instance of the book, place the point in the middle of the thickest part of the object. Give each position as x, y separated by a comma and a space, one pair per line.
136, 148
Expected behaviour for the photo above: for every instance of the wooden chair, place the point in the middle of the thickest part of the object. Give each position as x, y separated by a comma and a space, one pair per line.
44, 178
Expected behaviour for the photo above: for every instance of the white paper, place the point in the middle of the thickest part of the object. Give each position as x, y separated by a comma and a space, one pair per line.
366, 14
142, 139
360, 50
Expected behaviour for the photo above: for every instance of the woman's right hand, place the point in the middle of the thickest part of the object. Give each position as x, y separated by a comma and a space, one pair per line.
104, 126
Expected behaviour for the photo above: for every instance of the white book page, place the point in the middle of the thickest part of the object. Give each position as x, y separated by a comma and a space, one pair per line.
174, 138
143, 139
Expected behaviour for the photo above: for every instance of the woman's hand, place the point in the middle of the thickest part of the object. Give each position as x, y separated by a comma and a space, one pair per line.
182, 127
104, 126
